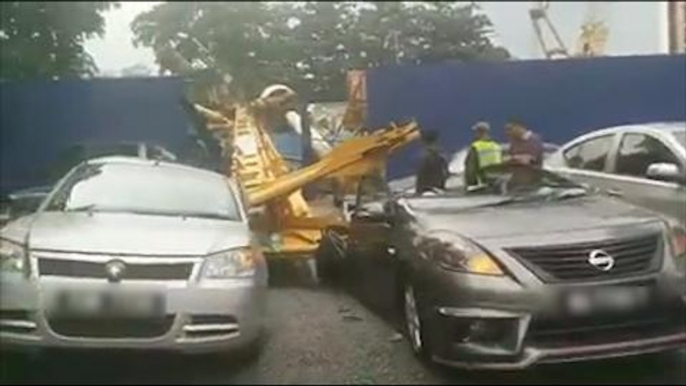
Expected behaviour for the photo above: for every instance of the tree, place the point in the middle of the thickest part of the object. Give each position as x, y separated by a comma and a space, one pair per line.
312, 45
45, 39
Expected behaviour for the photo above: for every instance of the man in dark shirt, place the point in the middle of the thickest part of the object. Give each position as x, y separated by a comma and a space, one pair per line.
433, 171
526, 146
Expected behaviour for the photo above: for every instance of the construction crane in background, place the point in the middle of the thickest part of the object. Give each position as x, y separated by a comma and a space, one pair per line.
592, 37
540, 20
594, 32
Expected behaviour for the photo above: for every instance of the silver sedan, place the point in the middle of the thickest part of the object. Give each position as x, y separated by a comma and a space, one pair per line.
644, 164
132, 253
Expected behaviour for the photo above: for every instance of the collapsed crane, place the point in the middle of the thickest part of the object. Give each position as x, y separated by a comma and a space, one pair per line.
287, 223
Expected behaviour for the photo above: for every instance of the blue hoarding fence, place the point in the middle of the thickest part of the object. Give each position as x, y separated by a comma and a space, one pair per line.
559, 99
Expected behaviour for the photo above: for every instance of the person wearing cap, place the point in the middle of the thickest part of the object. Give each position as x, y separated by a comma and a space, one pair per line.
433, 171
484, 151
526, 147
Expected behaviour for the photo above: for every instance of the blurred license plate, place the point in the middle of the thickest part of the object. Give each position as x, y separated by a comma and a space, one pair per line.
108, 304
607, 299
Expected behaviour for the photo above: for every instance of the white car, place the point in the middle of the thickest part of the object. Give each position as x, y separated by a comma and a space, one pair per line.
644, 164
133, 253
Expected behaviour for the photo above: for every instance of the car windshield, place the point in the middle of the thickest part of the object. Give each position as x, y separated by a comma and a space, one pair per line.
145, 189
508, 183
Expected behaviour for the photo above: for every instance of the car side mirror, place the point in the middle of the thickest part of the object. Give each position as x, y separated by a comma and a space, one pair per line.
665, 172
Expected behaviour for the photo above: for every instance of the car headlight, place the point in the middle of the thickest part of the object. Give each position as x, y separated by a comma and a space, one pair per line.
454, 252
677, 238
235, 263
12, 258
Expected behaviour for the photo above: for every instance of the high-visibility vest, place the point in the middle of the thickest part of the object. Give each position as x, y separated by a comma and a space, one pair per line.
488, 151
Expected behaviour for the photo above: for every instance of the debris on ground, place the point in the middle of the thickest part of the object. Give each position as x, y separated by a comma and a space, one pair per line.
352, 318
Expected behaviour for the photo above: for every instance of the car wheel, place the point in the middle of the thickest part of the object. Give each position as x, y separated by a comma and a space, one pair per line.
413, 323
246, 354
252, 351
328, 260
324, 260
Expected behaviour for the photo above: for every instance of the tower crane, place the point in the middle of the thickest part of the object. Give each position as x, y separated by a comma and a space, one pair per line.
594, 32
540, 20
592, 37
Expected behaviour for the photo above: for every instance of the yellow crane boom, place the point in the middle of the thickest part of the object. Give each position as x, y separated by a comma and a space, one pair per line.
287, 222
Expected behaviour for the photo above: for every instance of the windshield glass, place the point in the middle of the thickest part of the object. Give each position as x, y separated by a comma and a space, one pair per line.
509, 183
680, 137
146, 189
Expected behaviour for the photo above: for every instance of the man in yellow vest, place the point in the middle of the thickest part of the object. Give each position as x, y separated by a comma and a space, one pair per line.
483, 152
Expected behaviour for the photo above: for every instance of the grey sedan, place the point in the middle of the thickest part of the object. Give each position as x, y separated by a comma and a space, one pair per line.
133, 253
644, 164
532, 268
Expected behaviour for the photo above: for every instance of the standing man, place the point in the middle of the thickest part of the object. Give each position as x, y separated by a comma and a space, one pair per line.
526, 147
483, 152
433, 171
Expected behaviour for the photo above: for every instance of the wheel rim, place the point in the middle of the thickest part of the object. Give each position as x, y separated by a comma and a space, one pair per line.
412, 319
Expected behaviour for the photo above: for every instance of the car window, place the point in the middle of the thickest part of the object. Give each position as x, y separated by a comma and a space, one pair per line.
127, 149
680, 137
146, 190
638, 151
589, 155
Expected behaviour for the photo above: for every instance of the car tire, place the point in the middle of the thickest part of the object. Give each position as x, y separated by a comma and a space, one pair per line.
247, 354
415, 327
252, 351
326, 261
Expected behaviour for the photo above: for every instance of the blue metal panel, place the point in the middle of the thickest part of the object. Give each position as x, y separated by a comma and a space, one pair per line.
38, 119
558, 99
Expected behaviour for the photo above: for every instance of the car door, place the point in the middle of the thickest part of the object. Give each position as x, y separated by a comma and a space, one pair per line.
370, 231
628, 178
587, 161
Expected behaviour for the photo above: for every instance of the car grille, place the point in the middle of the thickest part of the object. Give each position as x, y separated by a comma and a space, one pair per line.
112, 327
570, 262
569, 332
76, 268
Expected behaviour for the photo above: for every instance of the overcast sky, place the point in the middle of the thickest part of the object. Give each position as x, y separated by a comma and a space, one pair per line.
635, 28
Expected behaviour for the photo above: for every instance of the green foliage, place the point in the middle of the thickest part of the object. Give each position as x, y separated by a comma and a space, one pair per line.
312, 45
45, 39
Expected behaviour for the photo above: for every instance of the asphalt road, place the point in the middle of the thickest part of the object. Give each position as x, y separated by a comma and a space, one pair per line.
317, 336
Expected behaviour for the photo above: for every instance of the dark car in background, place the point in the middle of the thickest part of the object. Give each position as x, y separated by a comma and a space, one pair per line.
532, 268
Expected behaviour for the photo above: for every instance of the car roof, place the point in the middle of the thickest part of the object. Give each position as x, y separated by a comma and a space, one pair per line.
650, 126
137, 161
657, 128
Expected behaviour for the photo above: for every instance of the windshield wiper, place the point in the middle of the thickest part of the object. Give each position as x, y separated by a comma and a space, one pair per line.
179, 214
82, 208
571, 193
207, 215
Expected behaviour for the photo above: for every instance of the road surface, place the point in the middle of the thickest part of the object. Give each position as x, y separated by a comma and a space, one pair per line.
316, 336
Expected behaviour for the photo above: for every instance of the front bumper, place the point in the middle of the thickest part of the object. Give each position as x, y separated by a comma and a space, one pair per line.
533, 355
198, 318
495, 323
